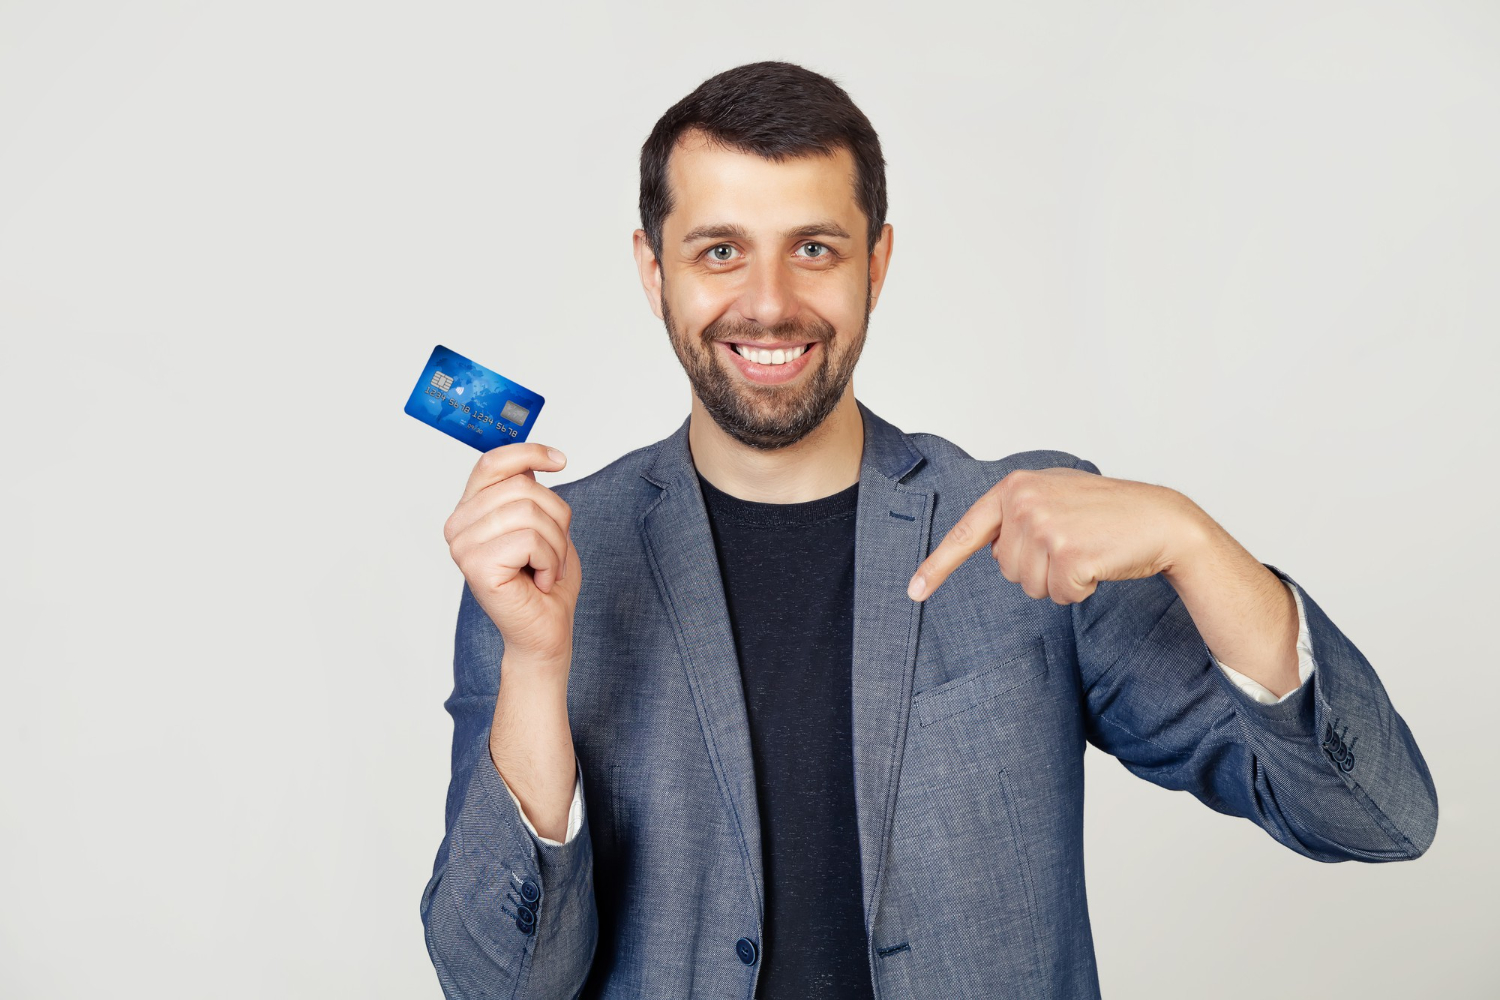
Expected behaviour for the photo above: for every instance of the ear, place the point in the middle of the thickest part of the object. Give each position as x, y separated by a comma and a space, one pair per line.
880, 262
649, 268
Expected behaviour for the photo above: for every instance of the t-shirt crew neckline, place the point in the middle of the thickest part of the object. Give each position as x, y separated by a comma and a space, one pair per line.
755, 514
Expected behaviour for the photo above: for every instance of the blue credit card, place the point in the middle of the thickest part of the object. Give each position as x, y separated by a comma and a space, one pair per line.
467, 401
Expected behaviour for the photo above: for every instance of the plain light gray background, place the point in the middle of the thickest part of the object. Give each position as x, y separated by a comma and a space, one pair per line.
1245, 251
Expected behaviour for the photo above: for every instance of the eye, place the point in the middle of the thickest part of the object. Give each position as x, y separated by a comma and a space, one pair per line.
713, 252
826, 250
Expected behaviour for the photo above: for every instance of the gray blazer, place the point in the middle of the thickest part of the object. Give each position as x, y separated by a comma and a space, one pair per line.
971, 714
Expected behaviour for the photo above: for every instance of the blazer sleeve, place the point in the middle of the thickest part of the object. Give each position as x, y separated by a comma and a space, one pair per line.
1332, 771
506, 913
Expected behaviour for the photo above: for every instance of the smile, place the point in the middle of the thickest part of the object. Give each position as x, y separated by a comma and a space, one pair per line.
768, 365
761, 355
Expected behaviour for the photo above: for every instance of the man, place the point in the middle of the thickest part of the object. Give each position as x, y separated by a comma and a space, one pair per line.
737, 715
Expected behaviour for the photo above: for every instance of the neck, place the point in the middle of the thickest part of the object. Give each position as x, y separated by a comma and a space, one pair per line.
823, 463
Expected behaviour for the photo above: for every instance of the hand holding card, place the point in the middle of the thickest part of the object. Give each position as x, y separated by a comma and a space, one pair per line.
509, 536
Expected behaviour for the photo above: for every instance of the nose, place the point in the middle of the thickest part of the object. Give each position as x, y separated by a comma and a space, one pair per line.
768, 296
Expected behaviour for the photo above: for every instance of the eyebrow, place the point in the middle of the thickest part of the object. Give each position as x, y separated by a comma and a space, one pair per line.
730, 230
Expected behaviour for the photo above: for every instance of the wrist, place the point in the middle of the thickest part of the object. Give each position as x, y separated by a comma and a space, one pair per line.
536, 671
1191, 540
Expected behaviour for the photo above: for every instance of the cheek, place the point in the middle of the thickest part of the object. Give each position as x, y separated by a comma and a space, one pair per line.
842, 305
697, 304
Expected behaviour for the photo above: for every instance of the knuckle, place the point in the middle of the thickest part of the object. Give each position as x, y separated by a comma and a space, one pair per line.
541, 545
495, 519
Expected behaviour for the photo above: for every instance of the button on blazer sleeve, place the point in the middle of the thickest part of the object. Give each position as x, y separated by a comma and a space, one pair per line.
1331, 771
506, 912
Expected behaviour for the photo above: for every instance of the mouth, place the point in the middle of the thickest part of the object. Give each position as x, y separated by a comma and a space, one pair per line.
770, 364
763, 353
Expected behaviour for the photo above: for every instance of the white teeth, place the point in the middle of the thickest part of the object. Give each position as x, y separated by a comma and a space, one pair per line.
762, 356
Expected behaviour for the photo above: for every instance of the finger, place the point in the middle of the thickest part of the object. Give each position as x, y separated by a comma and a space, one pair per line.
511, 553
509, 460
520, 515
1031, 568
503, 492
976, 529
1062, 585
1009, 550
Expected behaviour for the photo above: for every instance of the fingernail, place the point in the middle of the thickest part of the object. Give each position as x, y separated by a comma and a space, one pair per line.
916, 588
556, 455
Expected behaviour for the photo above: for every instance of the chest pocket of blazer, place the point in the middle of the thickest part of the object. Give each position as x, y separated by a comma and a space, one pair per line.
972, 690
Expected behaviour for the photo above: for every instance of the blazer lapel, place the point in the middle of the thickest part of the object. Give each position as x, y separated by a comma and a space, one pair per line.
685, 564
892, 526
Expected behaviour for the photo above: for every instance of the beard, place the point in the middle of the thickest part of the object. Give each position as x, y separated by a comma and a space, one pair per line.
766, 417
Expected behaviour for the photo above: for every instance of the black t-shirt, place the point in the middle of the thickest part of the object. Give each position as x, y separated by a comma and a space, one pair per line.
788, 573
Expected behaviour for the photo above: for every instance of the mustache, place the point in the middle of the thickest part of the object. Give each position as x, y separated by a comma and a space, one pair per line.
813, 332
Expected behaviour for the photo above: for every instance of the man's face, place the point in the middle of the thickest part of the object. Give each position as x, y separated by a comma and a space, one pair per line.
770, 256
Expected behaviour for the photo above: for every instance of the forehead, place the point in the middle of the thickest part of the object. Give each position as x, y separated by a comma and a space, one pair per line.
711, 183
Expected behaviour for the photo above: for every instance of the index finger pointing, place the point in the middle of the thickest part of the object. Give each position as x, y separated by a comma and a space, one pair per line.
512, 459
975, 530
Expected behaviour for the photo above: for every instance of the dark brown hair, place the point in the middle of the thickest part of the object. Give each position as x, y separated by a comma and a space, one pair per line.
775, 110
